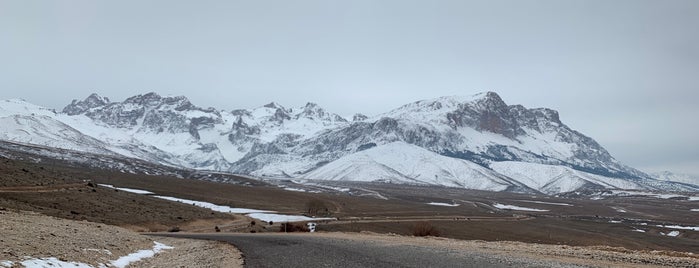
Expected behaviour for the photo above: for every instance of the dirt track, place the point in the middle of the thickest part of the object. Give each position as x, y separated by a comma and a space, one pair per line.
42, 188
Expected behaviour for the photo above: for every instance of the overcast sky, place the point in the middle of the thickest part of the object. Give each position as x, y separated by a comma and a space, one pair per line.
625, 73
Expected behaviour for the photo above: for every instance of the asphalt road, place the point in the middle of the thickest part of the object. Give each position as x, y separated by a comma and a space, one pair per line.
280, 250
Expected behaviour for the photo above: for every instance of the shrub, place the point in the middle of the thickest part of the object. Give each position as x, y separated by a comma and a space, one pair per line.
291, 227
424, 228
317, 207
174, 229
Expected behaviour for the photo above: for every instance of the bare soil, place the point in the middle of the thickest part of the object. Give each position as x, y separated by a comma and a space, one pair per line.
588, 256
39, 236
71, 194
64, 190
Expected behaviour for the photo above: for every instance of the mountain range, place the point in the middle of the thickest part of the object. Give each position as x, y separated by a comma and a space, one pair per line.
475, 142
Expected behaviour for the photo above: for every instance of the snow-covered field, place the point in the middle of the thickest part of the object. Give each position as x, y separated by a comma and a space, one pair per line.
512, 207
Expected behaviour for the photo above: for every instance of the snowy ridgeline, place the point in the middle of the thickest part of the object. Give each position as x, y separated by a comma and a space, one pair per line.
442, 141
121, 262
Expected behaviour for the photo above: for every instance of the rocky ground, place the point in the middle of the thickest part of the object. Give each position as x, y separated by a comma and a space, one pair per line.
29, 234
600, 256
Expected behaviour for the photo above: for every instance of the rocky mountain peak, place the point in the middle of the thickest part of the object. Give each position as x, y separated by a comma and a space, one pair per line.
79, 107
490, 101
312, 110
274, 105
359, 117
148, 99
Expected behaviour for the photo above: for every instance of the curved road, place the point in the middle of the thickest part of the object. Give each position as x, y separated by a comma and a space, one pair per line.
293, 250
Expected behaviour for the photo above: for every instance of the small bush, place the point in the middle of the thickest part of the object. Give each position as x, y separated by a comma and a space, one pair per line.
174, 229
424, 228
291, 227
317, 207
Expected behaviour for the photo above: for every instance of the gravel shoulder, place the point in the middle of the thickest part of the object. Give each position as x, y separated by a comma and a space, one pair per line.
30, 234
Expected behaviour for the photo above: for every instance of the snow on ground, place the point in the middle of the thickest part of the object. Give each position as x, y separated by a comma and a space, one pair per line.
130, 190
613, 221
333, 188
546, 203
263, 215
673, 233
214, 207
53, 262
122, 262
649, 194
294, 189
618, 209
511, 207
139, 255
639, 230
443, 204
694, 198
694, 209
267, 217
693, 228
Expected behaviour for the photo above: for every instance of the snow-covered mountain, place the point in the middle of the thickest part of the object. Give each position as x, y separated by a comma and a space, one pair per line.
475, 142
675, 177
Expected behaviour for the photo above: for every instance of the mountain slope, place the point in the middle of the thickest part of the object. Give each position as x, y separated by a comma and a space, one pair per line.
676, 177
400, 162
553, 179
